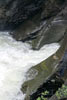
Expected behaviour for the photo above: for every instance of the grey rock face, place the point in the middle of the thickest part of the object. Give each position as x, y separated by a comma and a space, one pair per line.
49, 69
38, 32
15, 12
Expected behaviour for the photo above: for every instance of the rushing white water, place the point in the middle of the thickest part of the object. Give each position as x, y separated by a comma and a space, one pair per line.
15, 60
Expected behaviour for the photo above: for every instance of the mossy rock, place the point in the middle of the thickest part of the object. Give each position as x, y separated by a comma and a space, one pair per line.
44, 69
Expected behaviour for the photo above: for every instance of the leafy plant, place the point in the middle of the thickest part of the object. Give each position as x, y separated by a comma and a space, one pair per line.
42, 95
62, 92
41, 98
38, 98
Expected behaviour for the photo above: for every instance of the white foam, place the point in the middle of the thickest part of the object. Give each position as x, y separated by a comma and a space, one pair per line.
15, 60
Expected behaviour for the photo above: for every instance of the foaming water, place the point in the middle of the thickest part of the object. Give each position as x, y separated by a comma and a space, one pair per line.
15, 60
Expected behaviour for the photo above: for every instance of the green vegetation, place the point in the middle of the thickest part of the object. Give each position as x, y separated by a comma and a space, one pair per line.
42, 95
38, 98
62, 92
41, 98
45, 93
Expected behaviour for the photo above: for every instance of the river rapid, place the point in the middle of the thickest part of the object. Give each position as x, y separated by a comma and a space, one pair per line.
16, 58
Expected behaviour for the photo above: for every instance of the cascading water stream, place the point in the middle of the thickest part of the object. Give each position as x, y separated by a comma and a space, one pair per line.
16, 58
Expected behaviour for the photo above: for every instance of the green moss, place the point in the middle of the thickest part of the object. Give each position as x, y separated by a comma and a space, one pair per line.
43, 65
62, 92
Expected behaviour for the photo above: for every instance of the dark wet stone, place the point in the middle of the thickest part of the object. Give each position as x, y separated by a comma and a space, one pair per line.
39, 32
50, 86
15, 12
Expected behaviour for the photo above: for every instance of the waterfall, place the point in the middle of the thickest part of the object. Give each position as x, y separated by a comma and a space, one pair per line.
16, 58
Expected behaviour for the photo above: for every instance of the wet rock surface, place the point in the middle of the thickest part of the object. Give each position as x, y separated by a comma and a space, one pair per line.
52, 84
38, 32
39, 22
15, 12
51, 72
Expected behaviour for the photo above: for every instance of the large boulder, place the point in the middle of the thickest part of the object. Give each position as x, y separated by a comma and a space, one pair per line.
15, 12
45, 69
38, 32
33, 21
